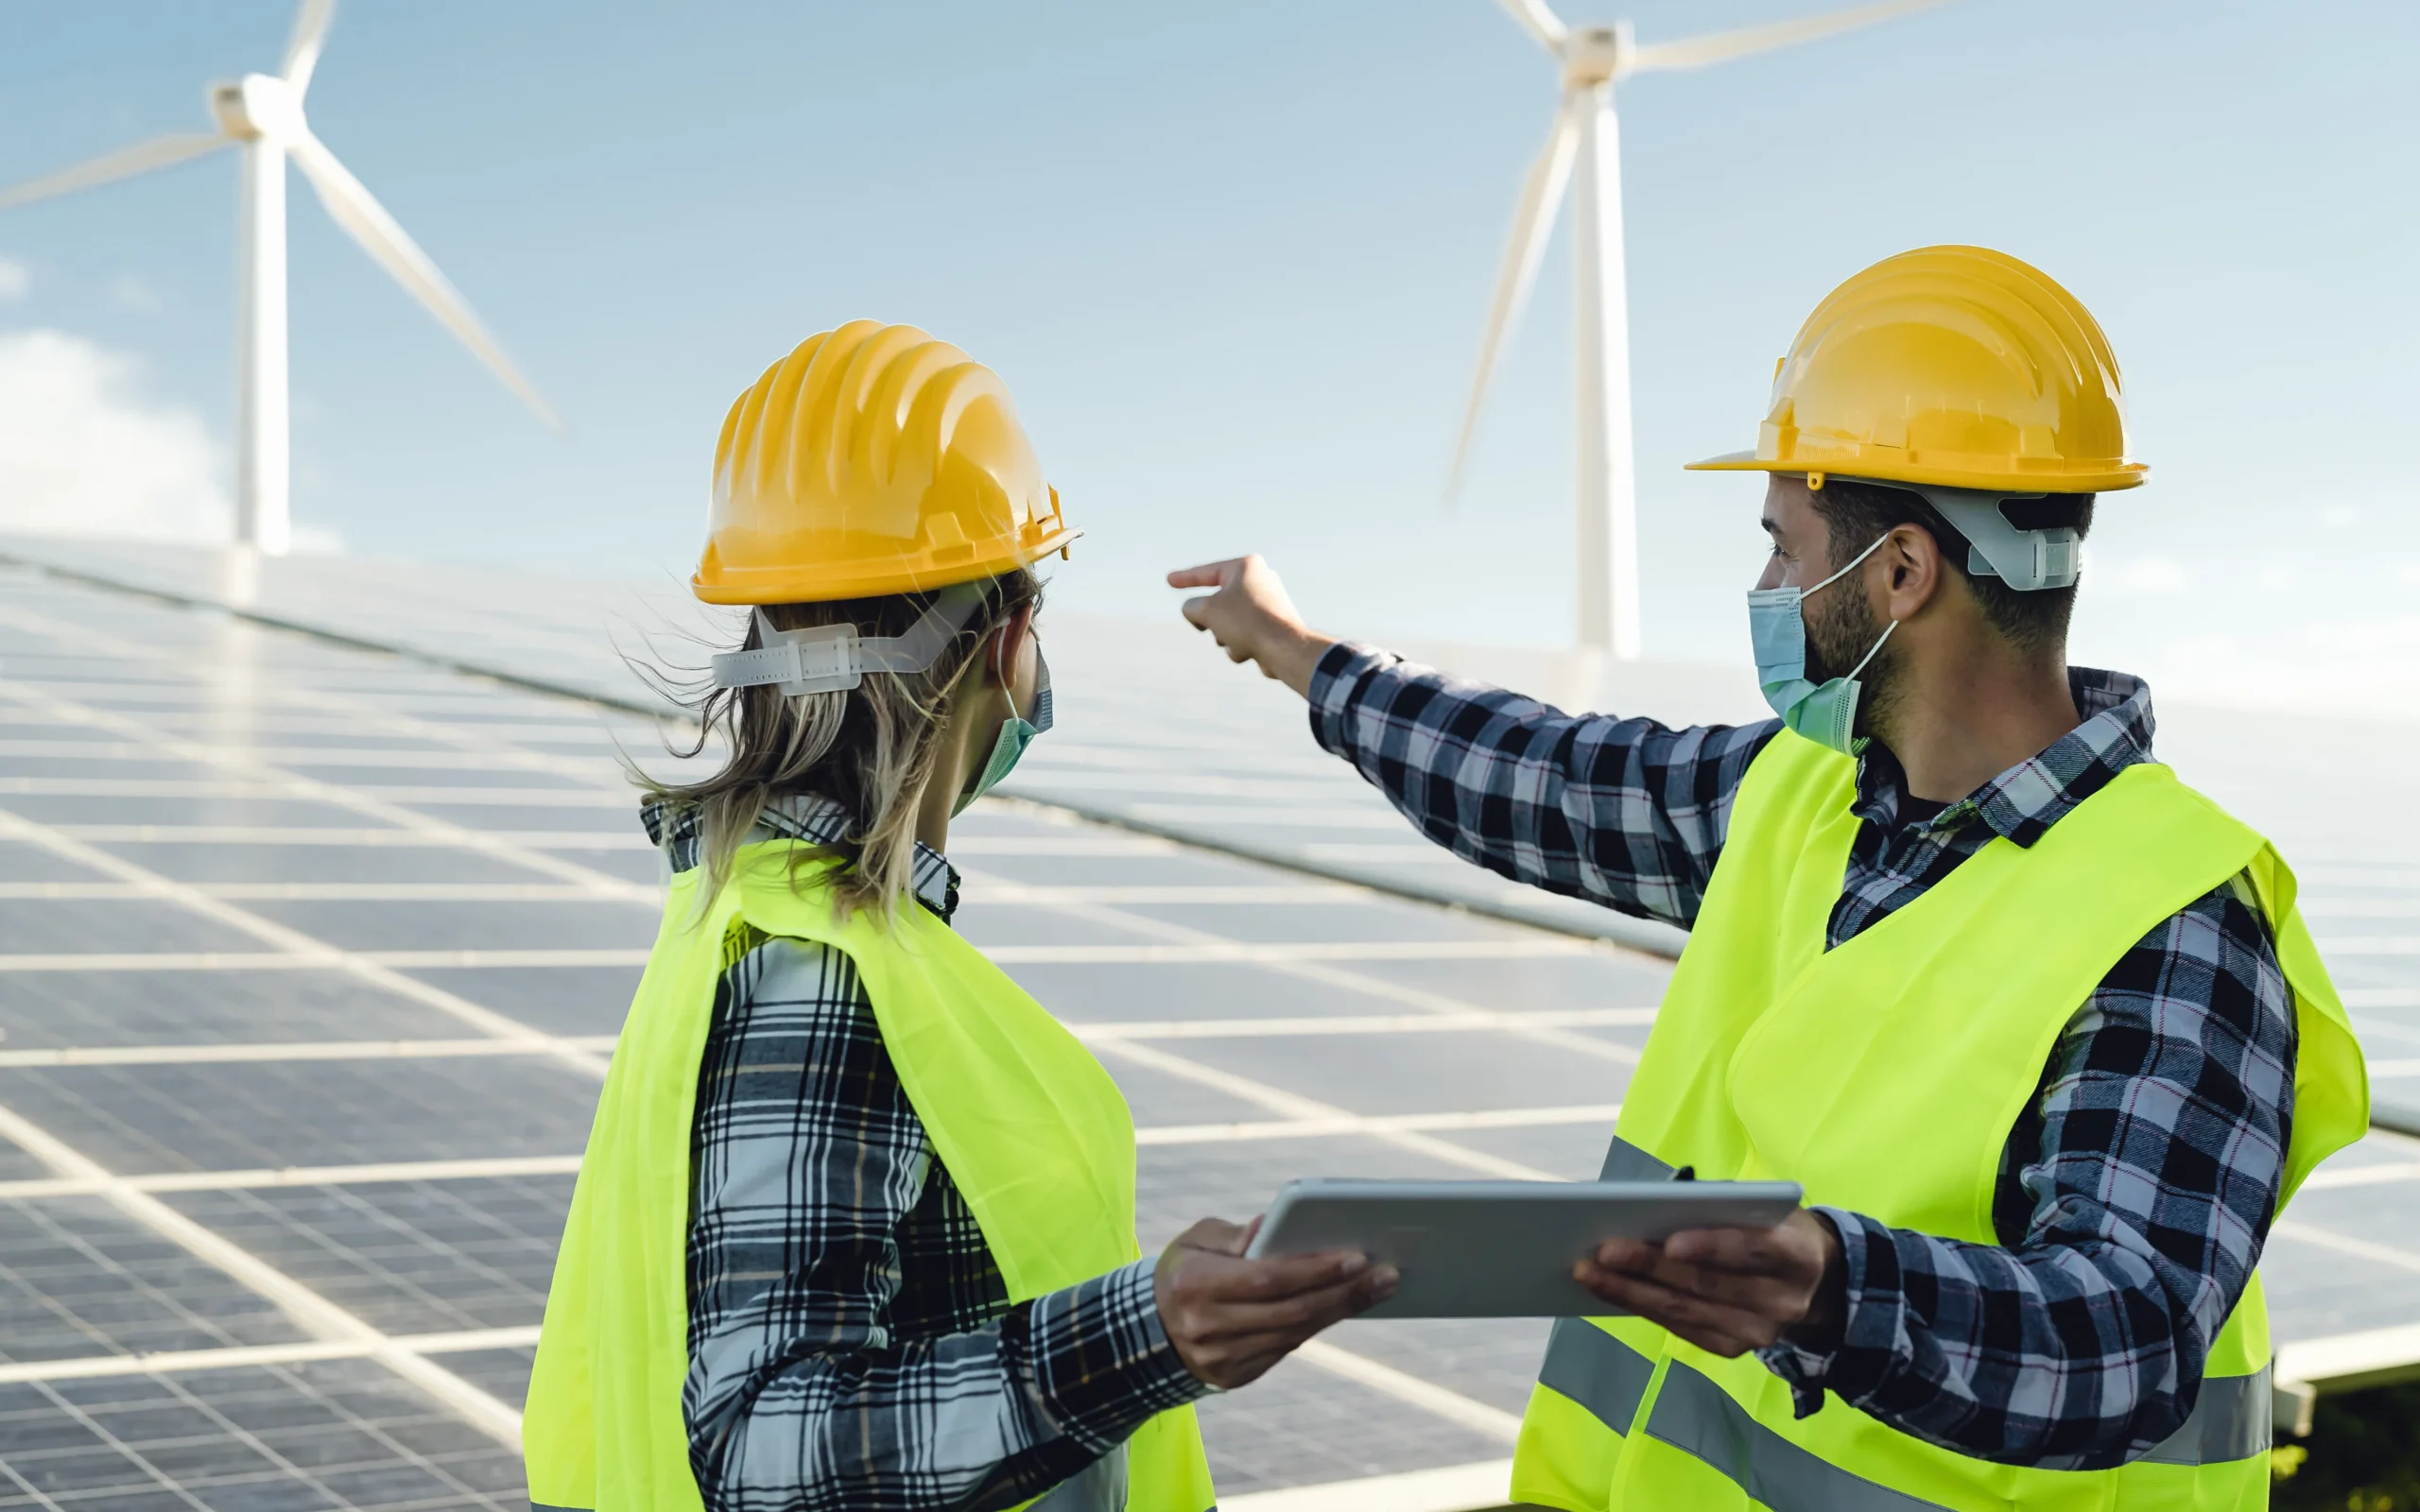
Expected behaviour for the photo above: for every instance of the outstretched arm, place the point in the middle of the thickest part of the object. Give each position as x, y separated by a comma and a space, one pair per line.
1625, 812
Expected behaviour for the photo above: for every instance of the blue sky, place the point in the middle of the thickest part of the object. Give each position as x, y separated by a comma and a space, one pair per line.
1233, 261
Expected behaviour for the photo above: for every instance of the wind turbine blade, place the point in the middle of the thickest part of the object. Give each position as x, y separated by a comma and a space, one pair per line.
1538, 21
1541, 197
160, 152
366, 221
1722, 47
303, 49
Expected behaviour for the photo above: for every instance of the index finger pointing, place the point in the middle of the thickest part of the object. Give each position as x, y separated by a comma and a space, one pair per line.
1209, 575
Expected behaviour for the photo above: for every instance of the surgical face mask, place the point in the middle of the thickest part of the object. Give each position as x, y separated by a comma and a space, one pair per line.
1016, 733
1825, 712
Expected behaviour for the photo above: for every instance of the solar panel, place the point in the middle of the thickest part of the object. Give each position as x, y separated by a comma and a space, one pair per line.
310, 958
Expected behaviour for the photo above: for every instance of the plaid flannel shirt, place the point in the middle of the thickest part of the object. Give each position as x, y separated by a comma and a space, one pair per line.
2136, 1192
851, 1342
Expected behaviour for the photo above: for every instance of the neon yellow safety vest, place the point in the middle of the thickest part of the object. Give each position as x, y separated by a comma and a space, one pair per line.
1885, 1076
1029, 1125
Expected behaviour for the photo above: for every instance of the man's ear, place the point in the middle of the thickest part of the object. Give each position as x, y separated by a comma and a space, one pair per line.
1916, 570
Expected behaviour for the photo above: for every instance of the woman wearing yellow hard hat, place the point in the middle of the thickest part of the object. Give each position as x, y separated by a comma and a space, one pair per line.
855, 1226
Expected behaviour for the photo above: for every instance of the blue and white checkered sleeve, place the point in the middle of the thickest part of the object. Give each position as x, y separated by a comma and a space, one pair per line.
807, 1159
1625, 812
2161, 1130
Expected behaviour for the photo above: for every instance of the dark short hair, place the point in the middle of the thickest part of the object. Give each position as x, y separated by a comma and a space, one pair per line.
1855, 513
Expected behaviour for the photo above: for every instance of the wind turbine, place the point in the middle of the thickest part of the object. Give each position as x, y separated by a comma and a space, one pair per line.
261, 114
1584, 144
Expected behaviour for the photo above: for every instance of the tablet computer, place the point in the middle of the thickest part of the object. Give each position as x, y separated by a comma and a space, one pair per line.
1502, 1249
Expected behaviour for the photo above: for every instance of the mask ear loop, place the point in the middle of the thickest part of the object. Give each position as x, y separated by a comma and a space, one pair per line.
1000, 665
1877, 649
1809, 593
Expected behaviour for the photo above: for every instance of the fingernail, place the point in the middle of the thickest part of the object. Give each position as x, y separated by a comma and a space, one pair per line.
1352, 1265
1385, 1281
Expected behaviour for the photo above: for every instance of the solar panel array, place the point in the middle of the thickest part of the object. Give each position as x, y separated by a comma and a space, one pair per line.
311, 959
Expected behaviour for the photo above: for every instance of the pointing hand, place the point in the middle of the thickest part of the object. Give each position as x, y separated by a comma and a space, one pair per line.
1250, 616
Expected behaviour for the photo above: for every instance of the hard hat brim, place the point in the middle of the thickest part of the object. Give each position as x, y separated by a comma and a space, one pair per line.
2106, 479
817, 584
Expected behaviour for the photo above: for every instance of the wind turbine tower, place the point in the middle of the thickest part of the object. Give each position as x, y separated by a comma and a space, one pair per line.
1585, 146
261, 115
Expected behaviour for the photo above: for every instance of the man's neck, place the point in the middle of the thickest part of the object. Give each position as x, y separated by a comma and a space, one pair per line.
1955, 723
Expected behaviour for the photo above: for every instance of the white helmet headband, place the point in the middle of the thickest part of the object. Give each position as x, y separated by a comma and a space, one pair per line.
2027, 560
835, 658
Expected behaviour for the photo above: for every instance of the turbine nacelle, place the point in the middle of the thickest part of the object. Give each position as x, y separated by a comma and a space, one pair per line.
258, 106
1594, 56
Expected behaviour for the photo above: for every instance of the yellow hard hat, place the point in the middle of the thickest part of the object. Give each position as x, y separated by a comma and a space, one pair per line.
872, 459
1953, 366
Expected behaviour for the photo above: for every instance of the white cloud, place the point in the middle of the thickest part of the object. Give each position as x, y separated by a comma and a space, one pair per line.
15, 278
83, 453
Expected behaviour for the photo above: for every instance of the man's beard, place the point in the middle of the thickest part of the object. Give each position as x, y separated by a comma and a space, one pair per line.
1839, 634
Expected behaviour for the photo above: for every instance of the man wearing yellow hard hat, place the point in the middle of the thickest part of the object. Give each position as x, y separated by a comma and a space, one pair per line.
2037, 1025
854, 1232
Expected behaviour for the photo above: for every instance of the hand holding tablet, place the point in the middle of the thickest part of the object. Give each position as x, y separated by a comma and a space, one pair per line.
1502, 1249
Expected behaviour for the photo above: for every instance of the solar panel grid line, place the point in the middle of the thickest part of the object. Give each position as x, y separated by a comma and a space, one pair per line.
353, 710
395, 758
1215, 950
1001, 890
1380, 1125
311, 1311
293, 942
363, 892
174, 787
324, 1479
291, 785
1444, 1488
1464, 1022
101, 1433
170, 1362
1410, 1389
1328, 974
2330, 1177
104, 961
2344, 1244
240, 1054
533, 842
485, 1168
1294, 1106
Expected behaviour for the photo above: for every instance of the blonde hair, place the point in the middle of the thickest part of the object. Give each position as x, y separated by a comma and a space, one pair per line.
871, 749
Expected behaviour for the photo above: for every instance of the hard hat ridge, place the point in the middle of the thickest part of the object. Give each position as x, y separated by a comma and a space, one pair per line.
1957, 366
872, 459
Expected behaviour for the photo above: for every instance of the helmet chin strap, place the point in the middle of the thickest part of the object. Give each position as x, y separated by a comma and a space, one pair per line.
835, 658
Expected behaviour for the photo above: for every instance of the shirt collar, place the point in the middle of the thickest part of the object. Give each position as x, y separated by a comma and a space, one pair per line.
2023, 802
675, 828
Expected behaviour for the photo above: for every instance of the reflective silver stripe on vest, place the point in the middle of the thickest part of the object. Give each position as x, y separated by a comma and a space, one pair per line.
1100, 1486
2230, 1420
1597, 1371
1699, 1418
1583, 1363
549, 1506
1625, 1161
